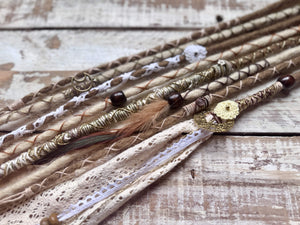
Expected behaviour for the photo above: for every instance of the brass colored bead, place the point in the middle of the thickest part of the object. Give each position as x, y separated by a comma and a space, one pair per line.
45, 221
53, 220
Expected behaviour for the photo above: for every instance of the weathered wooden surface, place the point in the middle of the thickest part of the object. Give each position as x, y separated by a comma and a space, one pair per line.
238, 179
73, 50
121, 13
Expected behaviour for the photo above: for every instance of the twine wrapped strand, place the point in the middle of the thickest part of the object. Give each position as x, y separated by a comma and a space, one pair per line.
197, 105
45, 179
224, 113
166, 46
59, 98
205, 101
221, 69
216, 37
114, 116
192, 53
249, 70
237, 51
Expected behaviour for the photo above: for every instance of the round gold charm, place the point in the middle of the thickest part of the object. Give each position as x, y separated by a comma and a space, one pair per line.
227, 110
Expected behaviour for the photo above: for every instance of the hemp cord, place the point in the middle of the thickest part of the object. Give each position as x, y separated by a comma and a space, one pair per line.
115, 63
240, 50
58, 98
213, 98
48, 179
64, 138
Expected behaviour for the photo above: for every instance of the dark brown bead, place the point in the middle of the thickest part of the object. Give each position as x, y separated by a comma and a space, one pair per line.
118, 99
202, 103
287, 81
219, 18
175, 100
53, 220
45, 221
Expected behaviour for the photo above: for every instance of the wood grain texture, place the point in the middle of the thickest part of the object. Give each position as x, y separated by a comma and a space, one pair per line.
14, 85
238, 180
74, 50
121, 13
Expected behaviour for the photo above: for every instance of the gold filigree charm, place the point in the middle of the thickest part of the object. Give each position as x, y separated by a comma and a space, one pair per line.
227, 110
210, 121
83, 82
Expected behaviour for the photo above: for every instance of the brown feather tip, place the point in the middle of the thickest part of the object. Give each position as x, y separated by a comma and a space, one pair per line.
145, 118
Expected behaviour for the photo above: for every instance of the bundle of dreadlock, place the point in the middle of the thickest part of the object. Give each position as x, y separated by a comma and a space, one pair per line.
149, 112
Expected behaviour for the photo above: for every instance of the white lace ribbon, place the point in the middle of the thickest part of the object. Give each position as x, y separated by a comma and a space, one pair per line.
154, 162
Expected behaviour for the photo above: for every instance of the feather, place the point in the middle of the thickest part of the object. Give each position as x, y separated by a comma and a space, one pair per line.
137, 122
95, 138
144, 119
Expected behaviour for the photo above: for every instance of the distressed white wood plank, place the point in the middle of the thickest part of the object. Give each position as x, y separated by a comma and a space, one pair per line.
74, 50
15, 85
238, 180
120, 13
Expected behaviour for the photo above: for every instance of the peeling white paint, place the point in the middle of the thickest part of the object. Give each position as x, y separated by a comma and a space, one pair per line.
19, 87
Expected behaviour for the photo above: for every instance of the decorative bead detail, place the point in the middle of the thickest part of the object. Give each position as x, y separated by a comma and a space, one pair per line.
45, 221
219, 18
118, 99
194, 53
53, 220
175, 100
227, 110
287, 81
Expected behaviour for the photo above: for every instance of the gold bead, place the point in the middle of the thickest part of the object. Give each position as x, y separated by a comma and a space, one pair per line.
53, 220
45, 221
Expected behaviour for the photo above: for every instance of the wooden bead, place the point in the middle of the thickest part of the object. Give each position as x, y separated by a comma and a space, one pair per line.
45, 221
219, 18
175, 100
53, 220
118, 99
287, 81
